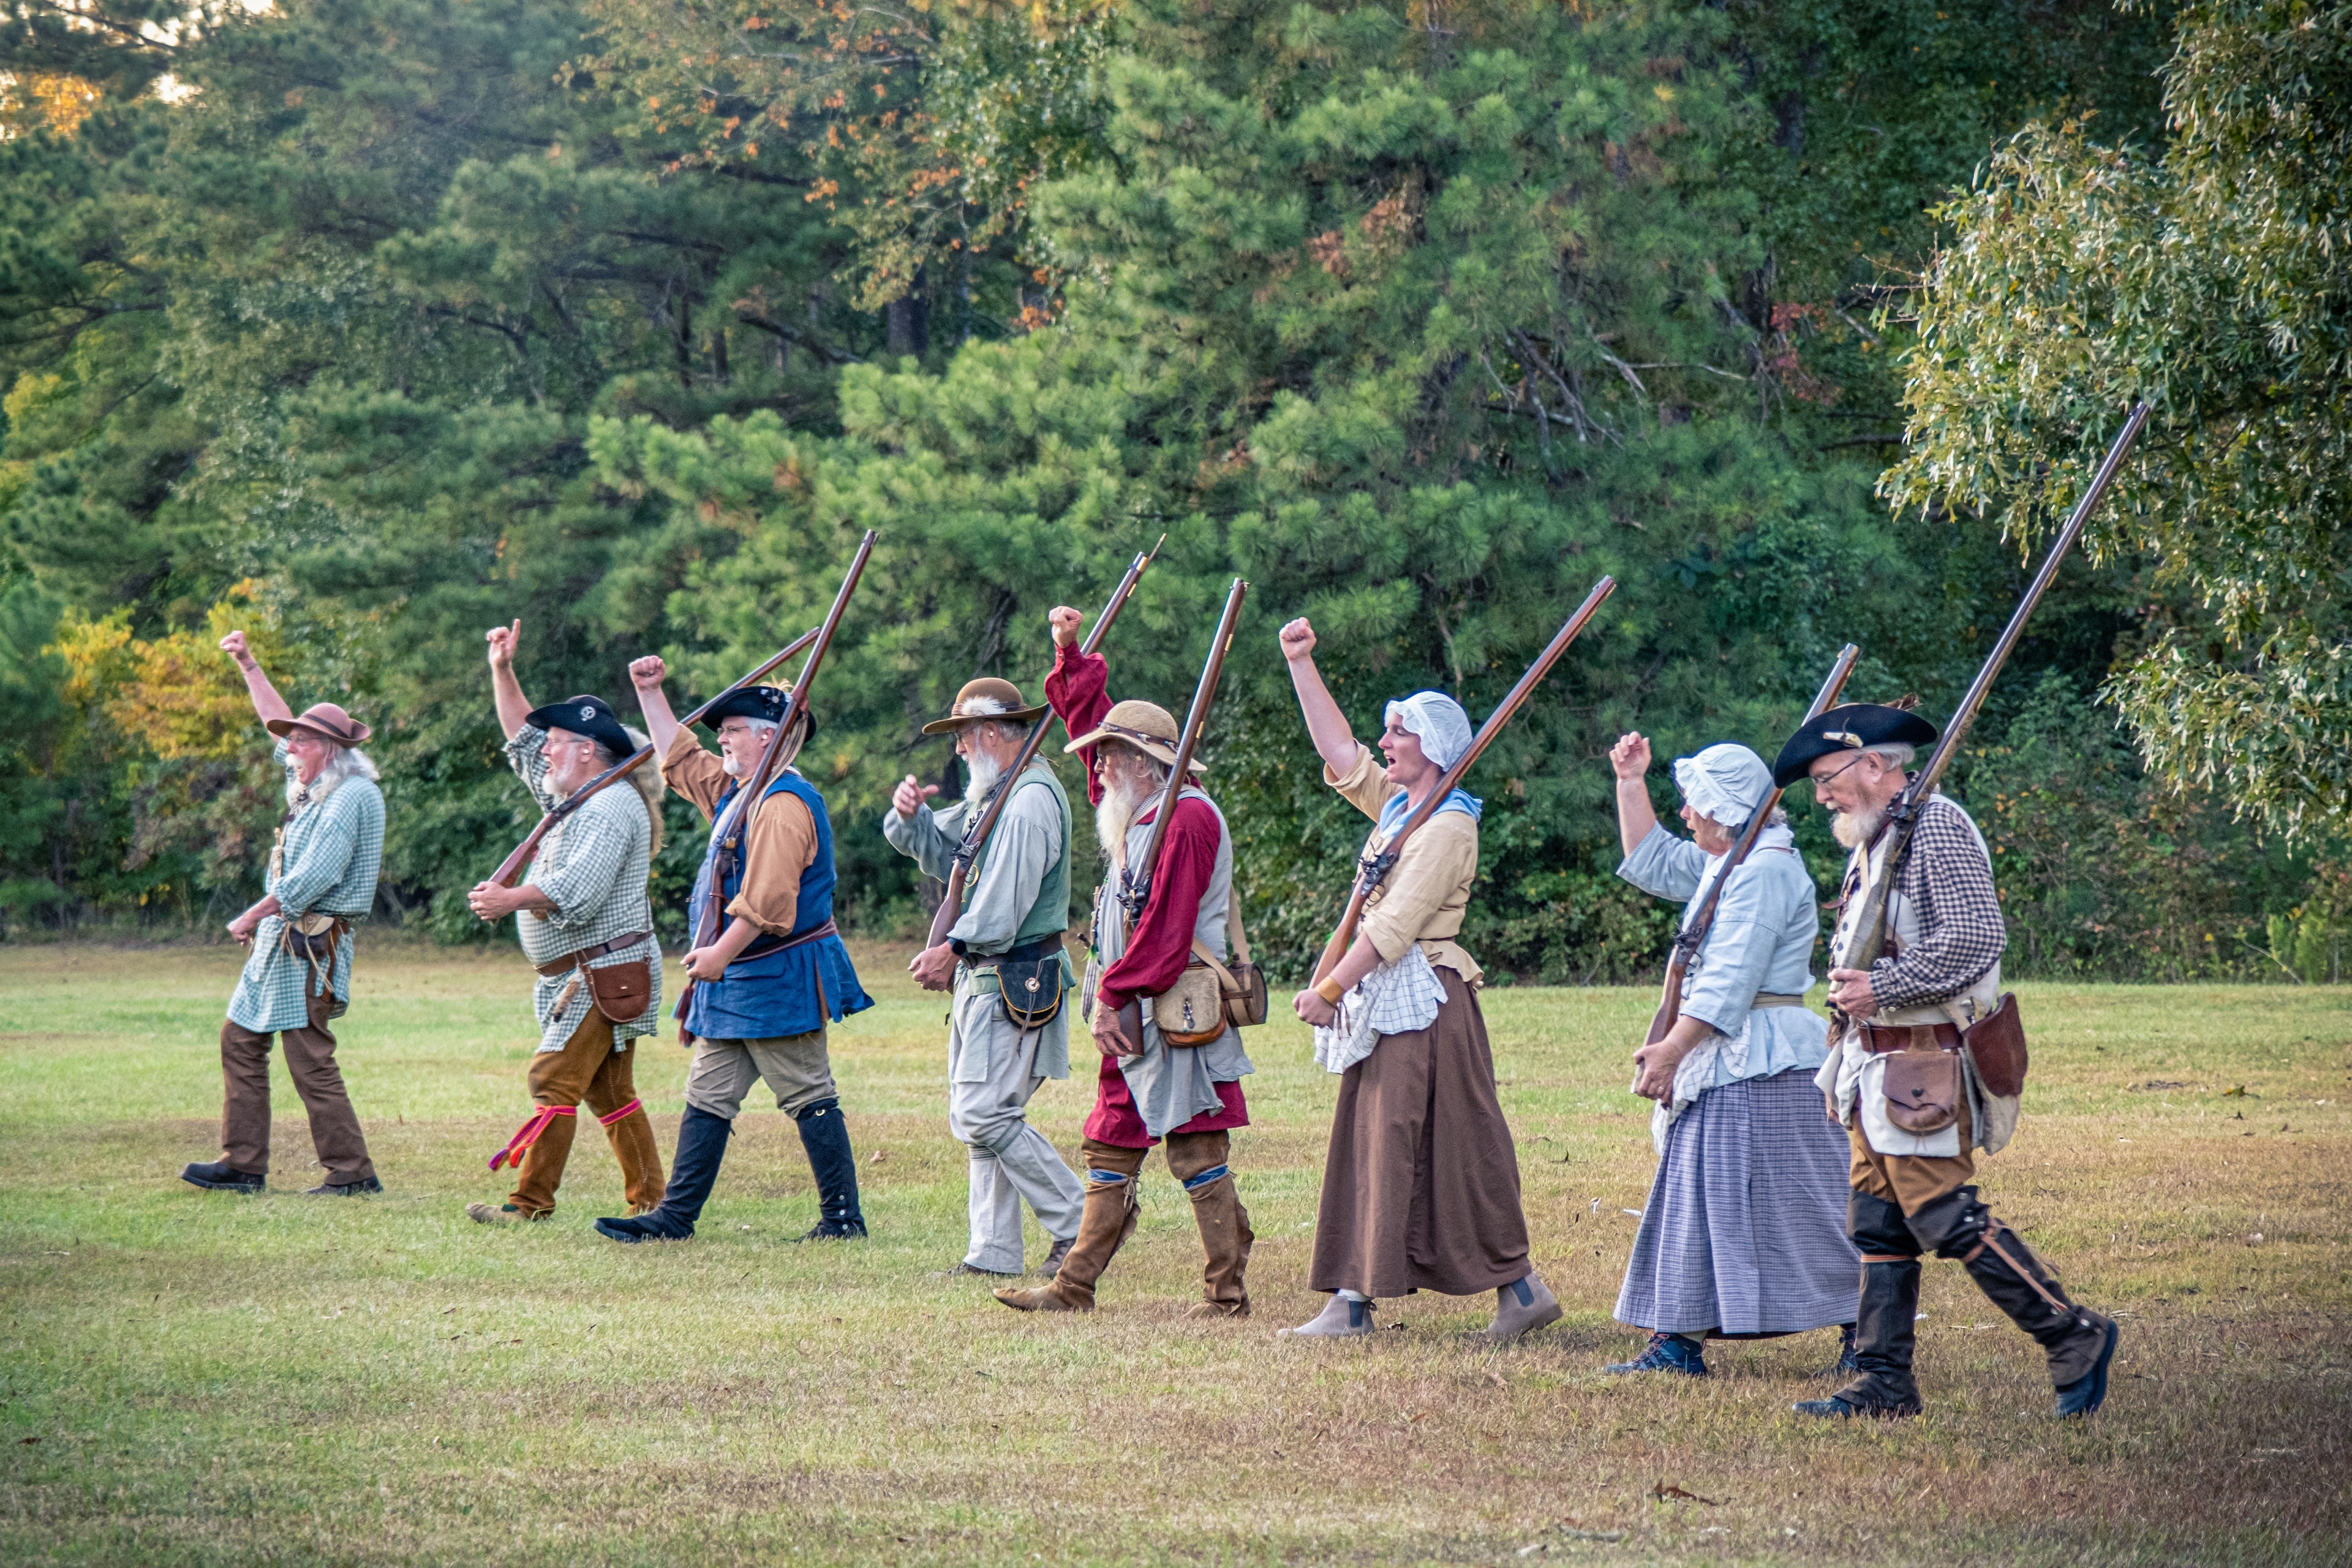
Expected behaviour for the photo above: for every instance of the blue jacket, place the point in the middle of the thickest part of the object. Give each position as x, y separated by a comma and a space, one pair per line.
789, 989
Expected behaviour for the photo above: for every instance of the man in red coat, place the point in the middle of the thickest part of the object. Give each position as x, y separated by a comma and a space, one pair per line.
1149, 1089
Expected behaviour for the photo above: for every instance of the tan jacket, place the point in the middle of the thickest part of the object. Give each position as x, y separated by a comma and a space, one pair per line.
782, 843
1426, 893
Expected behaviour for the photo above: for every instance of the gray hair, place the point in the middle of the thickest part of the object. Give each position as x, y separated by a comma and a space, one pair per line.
343, 762
1895, 754
1158, 769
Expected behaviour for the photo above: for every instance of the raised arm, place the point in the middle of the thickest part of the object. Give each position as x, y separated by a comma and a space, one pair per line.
514, 708
1629, 757
1326, 725
267, 704
646, 675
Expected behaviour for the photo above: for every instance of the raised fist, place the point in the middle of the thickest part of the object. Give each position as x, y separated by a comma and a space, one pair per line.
909, 797
646, 674
1297, 640
502, 640
233, 646
1631, 755
1066, 622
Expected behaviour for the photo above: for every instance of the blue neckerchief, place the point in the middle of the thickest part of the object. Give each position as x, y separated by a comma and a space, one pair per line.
1393, 813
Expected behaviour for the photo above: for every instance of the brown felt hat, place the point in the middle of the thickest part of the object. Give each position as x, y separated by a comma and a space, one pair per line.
325, 721
987, 698
1147, 726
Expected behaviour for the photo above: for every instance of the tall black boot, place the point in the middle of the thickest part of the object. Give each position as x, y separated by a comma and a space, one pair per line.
701, 1145
824, 1134
1883, 1337
2080, 1343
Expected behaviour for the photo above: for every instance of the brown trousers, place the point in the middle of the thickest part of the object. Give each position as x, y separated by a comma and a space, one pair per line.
588, 1068
311, 1063
1911, 1182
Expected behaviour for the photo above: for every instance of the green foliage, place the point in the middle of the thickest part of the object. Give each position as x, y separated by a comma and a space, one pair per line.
2208, 279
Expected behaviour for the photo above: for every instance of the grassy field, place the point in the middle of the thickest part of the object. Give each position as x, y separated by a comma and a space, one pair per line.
204, 1379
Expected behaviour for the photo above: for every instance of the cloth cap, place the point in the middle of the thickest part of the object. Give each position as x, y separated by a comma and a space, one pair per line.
1439, 722
324, 720
1852, 727
1727, 782
1147, 726
757, 702
987, 698
586, 715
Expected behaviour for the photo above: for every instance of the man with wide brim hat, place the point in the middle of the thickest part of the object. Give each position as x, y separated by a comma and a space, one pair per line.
587, 927
767, 973
321, 879
1149, 1088
1004, 951
1900, 1028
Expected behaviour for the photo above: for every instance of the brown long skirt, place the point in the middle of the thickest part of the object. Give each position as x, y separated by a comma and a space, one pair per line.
1421, 1188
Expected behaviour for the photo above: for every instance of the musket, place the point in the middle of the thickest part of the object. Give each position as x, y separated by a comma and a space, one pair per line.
975, 837
1869, 916
1373, 869
731, 832
1134, 880
1692, 937
509, 872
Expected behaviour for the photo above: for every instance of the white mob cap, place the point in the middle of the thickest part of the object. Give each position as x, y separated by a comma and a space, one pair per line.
1727, 782
1437, 720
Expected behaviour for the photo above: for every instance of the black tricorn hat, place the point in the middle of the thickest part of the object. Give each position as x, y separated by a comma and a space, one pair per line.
757, 702
1849, 728
588, 715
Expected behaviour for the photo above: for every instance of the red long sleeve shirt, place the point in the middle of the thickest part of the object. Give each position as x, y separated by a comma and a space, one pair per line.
1160, 945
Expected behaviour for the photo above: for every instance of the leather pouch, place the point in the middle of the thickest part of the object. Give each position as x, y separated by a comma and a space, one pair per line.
1923, 1091
1031, 989
621, 991
1193, 1011
1996, 1042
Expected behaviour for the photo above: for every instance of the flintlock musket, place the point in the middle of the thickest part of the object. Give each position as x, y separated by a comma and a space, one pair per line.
1373, 869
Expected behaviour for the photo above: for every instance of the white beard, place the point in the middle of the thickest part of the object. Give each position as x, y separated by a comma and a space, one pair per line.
1113, 816
984, 771
1855, 829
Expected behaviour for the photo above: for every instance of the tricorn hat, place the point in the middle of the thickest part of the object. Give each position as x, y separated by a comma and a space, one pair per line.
588, 715
759, 702
987, 698
1852, 728
325, 721
1146, 726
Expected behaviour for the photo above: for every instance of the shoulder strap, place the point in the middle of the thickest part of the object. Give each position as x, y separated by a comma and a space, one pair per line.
1224, 976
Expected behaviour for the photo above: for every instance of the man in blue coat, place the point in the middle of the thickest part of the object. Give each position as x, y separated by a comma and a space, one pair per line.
762, 990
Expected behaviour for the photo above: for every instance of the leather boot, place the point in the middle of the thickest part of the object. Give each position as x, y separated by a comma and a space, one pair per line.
825, 1136
701, 1145
1885, 1333
1341, 1319
1105, 1222
2078, 1343
1522, 1306
1199, 1161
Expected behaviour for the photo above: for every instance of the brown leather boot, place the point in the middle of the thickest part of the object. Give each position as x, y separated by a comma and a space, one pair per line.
1198, 1160
1112, 1207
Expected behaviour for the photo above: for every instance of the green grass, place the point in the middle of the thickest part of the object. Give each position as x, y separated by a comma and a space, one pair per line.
196, 1378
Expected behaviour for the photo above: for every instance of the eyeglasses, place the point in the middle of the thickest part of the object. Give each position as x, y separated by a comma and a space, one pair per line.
1826, 777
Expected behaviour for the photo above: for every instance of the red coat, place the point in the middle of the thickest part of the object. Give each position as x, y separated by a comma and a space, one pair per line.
1161, 942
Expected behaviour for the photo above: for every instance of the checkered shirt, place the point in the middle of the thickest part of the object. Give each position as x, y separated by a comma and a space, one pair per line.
593, 864
1947, 881
326, 863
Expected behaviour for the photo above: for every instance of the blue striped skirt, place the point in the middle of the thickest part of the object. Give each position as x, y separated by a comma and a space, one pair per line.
1745, 1232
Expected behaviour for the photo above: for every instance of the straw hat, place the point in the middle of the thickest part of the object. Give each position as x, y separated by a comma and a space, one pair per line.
987, 698
325, 721
1146, 726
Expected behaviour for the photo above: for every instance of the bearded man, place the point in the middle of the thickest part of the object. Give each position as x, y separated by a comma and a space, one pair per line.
587, 926
1939, 975
1016, 907
1420, 1186
765, 987
1148, 1088
321, 881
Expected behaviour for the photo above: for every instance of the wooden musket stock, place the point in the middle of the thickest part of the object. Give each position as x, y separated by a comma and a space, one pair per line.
975, 838
1375, 868
1694, 936
1903, 816
509, 872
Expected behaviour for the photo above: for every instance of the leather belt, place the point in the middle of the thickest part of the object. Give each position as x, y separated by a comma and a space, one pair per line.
764, 944
1880, 1039
555, 966
1027, 952
1775, 999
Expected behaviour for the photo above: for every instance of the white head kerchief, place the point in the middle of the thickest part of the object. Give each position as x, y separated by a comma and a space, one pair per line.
1727, 782
1437, 720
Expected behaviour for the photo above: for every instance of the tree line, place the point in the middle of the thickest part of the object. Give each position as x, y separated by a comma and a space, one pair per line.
365, 325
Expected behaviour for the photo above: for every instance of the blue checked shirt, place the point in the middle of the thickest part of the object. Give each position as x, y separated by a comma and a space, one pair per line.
325, 863
594, 864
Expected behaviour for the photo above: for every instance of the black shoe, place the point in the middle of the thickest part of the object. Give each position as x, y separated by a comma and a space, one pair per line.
1845, 1365
834, 1230
701, 1146
1665, 1353
966, 1271
825, 1137
1859, 1399
360, 1188
1060, 1249
220, 1176
2087, 1393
